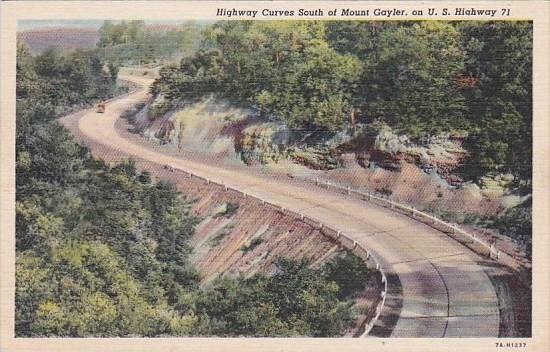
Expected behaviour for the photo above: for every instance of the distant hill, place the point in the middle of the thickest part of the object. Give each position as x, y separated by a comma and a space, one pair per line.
62, 38
161, 27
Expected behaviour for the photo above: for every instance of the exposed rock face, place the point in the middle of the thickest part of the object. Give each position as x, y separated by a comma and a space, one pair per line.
420, 172
347, 160
262, 143
158, 107
313, 158
207, 126
433, 154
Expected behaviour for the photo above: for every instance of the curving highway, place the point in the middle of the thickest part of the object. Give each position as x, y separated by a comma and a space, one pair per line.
437, 287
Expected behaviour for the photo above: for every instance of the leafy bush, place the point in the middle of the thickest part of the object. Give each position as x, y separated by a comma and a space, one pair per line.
296, 301
349, 272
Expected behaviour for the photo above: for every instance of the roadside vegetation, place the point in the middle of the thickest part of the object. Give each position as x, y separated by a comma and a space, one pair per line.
102, 250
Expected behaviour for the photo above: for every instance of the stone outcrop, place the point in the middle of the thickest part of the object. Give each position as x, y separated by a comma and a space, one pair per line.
262, 143
422, 172
433, 154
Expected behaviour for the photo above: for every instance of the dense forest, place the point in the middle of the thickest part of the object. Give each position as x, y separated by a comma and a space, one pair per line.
464, 78
102, 250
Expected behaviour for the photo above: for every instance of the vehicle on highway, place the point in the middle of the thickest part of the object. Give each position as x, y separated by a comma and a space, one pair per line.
100, 107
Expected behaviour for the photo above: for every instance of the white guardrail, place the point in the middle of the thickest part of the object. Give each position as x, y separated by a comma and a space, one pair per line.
416, 214
340, 237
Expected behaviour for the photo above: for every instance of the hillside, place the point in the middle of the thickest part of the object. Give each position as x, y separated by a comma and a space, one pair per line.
62, 38
434, 114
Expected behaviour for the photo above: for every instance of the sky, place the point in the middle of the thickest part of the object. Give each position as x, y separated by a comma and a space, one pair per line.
32, 24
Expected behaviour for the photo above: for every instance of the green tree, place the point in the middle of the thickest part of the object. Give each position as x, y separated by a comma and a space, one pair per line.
500, 56
411, 78
349, 272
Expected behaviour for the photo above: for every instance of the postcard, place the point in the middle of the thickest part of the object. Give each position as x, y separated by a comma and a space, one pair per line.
274, 176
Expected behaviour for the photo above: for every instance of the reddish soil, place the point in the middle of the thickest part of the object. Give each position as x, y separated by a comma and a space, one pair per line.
412, 186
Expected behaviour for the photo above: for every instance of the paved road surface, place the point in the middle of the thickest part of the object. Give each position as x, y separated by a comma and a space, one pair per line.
438, 288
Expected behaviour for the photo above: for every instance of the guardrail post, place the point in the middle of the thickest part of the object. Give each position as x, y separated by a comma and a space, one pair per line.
316, 181
320, 226
225, 187
302, 217
263, 202
368, 328
244, 195
413, 212
370, 196
349, 190
377, 266
207, 181
391, 204
368, 255
338, 235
